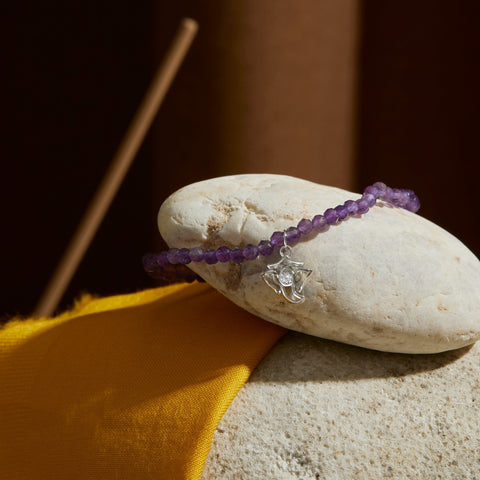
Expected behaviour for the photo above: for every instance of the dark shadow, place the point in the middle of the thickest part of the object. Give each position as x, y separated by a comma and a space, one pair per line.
303, 358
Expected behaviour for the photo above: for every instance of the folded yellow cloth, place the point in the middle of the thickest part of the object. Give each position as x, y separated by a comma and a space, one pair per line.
125, 387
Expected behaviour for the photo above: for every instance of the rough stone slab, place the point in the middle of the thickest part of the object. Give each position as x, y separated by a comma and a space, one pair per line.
317, 409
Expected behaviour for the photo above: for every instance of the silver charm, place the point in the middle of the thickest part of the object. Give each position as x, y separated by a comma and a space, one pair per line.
287, 277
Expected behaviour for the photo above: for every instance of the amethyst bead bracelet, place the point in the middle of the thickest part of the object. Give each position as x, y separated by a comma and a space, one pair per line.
159, 265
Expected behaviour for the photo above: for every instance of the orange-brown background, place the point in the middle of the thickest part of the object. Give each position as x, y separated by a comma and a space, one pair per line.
340, 92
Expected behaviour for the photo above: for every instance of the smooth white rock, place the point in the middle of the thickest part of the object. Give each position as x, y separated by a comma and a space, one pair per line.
388, 280
317, 409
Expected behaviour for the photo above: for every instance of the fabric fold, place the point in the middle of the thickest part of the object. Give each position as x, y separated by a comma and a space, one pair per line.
130, 386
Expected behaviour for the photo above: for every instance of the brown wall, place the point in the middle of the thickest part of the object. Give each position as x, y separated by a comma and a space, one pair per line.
341, 92
270, 88
72, 76
418, 107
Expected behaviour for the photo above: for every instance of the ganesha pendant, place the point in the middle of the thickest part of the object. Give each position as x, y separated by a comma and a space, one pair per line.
287, 277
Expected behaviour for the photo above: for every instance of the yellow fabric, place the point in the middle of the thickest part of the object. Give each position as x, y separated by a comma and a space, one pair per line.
126, 387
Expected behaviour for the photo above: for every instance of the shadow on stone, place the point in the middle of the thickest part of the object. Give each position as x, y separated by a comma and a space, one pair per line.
302, 358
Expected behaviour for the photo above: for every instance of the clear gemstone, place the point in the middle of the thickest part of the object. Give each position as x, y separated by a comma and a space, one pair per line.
286, 276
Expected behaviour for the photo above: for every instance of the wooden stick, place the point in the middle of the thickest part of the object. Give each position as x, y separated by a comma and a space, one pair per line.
118, 168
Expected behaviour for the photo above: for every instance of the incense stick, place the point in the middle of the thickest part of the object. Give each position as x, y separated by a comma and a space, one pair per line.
117, 170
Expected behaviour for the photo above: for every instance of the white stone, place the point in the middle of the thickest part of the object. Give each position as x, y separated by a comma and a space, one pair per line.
317, 409
388, 280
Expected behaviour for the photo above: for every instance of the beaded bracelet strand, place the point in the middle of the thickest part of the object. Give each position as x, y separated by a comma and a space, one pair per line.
285, 277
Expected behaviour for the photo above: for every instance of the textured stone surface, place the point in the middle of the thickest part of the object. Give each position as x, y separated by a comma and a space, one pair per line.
317, 409
388, 280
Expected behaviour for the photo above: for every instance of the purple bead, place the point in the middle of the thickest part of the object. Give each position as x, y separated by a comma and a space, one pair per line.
223, 254
210, 257
154, 261
370, 199
196, 254
381, 187
183, 256
162, 259
172, 256
397, 196
351, 207
406, 197
413, 203
341, 212
250, 252
362, 206
331, 216
387, 195
277, 239
400, 197
292, 235
319, 223
236, 255
305, 226
372, 190
149, 262
265, 248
